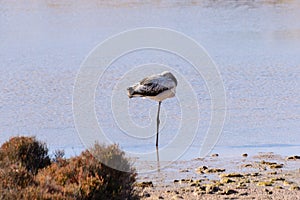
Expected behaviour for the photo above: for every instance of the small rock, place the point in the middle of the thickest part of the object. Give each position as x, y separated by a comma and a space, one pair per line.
268, 191
226, 180
294, 187
272, 165
278, 187
184, 170
182, 181
277, 179
210, 189
204, 167
176, 181
264, 183
195, 185
214, 170
287, 183
160, 197
218, 183
255, 174
186, 180
145, 184
244, 155
146, 194
229, 192
293, 158
272, 173
202, 188
231, 175
198, 181
267, 163
201, 169
197, 193
244, 194
276, 166
177, 197
215, 155
241, 185
247, 165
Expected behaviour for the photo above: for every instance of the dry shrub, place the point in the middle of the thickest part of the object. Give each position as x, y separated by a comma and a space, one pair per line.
85, 177
26, 172
25, 151
20, 160
15, 176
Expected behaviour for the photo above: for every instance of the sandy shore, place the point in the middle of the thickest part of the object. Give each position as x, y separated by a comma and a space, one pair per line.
262, 176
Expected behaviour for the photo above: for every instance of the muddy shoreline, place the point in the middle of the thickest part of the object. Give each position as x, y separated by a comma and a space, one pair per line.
261, 176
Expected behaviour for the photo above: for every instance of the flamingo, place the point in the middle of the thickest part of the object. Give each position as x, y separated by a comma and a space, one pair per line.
156, 87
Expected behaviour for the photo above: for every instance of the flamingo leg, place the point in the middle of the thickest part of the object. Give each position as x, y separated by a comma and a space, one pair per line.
158, 121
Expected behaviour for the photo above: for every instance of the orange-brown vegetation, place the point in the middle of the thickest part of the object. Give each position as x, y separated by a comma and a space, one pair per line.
26, 172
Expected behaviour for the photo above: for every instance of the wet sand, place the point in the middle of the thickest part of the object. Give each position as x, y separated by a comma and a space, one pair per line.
261, 176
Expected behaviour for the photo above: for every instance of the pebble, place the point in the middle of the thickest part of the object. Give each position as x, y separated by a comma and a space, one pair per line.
214, 170
294, 187
267, 163
272, 165
230, 191
244, 194
195, 185
273, 173
244, 155
226, 180
264, 183
293, 158
146, 194
215, 155
145, 184
276, 166
255, 174
210, 189
231, 175
277, 179
184, 170
186, 180
287, 183
177, 197
278, 187
241, 186
268, 191
247, 165
201, 169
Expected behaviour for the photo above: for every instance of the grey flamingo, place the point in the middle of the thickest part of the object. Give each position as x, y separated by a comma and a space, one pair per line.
156, 87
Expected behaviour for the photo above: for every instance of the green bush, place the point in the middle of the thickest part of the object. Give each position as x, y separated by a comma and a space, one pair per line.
26, 172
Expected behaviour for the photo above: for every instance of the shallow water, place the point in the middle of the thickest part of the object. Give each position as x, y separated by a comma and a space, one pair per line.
256, 46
